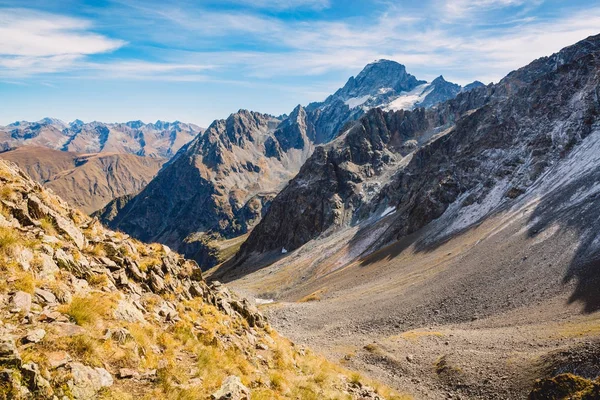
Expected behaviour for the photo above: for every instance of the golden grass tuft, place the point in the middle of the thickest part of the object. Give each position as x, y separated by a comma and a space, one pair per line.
8, 240
89, 310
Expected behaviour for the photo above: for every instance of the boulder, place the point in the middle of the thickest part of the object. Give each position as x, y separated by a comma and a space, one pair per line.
128, 373
125, 311
23, 256
21, 302
44, 297
35, 336
156, 282
86, 381
232, 389
57, 359
46, 266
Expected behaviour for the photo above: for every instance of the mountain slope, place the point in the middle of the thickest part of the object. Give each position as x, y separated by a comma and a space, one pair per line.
222, 183
504, 135
161, 139
88, 313
87, 181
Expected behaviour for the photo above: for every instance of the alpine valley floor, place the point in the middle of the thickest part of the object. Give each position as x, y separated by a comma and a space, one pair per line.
479, 316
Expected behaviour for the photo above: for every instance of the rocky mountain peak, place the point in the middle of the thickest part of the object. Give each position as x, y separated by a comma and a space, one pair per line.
381, 75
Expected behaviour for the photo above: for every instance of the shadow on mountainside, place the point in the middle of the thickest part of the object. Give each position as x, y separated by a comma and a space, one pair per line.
578, 213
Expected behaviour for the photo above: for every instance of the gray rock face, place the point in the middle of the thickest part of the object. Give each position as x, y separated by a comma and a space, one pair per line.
221, 184
232, 389
21, 301
503, 136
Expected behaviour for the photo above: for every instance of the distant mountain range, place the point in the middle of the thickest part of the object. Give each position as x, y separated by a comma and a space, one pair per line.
221, 184
161, 139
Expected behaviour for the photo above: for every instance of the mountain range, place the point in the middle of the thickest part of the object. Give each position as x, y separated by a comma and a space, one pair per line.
161, 139
222, 183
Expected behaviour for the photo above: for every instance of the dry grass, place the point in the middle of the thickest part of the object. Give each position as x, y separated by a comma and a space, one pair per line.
148, 262
48, 226
89, 310
315, 296
590, 326
8, 240
417, 335
24, 282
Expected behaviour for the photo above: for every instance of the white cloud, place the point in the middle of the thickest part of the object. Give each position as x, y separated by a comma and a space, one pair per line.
31, 33
466, 8
34, 42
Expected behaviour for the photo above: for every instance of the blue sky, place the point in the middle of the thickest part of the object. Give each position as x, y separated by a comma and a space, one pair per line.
118, 60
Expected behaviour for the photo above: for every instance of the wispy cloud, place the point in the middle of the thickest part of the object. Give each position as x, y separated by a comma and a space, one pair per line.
191, 42
283, 4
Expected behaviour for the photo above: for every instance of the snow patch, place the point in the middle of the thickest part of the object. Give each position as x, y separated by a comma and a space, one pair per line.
357, 101
263, 301
471, 214
407, 100
388, 211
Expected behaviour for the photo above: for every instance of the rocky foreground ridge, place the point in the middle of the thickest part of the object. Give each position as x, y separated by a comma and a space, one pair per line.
89, 313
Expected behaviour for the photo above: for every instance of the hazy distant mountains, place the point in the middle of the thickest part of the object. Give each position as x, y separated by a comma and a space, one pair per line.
161, 139
221, 184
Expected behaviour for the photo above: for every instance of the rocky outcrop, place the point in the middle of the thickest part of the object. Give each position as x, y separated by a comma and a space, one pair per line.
114, 315
161, 139
232, 389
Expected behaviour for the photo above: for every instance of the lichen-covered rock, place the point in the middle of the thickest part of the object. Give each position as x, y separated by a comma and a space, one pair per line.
35, 336
125, 311
44, 296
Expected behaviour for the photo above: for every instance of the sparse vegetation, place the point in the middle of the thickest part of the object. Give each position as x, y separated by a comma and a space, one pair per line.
88, 310
8, 239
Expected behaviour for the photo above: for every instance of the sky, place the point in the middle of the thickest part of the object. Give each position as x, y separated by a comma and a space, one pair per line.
196, 61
